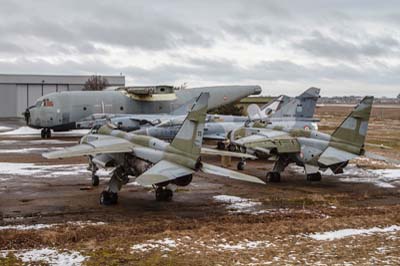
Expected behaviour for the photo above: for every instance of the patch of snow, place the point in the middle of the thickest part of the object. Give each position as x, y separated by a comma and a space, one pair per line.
46, 171
3, 128
23, 227
28, 150
165, 245
238, 204
52, 141
50, 256
332, 235
384, 178
24, 131
244, 245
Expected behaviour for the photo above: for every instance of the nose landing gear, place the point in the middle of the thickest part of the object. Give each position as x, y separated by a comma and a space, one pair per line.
45, 133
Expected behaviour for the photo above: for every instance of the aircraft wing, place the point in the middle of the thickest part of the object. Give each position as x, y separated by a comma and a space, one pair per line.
333, 156
208, 151
161, 172
105, 144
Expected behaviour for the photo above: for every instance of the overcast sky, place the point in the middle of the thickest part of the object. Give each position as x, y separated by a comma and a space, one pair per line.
344, 47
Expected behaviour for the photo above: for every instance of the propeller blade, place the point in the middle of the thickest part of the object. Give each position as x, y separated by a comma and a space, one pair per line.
216, 170
380, 158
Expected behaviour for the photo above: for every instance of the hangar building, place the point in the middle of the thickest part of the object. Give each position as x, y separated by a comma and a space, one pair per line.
17, 92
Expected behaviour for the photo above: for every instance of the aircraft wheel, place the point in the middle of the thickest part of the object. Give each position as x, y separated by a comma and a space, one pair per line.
274, 177
220, 145
231, 147
241, 165
95, 180
48, 133
43, 133
164, 194
108, 198
314, 177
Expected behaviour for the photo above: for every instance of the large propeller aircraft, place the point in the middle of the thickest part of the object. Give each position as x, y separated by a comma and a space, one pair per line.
153, 161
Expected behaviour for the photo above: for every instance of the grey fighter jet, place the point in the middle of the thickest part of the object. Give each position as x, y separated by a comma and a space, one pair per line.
60, 111
284, 112
153, 161
312, 150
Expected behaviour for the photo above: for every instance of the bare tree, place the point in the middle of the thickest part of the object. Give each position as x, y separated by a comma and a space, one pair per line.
95, 83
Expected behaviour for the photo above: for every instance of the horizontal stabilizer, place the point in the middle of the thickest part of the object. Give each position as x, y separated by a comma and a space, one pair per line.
216, 170
333, 156
162, 171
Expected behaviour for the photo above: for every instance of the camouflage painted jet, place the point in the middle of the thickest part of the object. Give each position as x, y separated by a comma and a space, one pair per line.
312, 150
284, 111
61, 110
153, 161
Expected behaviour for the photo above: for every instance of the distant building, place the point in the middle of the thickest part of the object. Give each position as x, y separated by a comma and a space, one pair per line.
17, 92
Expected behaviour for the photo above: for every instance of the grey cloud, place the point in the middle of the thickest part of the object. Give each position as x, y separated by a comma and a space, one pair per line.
321, 45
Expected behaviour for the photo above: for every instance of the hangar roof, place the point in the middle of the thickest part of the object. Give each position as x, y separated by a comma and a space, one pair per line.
56, 79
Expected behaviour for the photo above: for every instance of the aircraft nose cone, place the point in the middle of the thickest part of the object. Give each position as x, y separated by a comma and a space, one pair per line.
257, 90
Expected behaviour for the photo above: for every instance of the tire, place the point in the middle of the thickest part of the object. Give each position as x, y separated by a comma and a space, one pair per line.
43, 134
108, 198
48, 133
221, 146
274, 177
231, 147
95, 180
241, 165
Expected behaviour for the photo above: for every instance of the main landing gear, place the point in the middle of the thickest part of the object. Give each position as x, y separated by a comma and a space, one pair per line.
45, 133
110, 195
274, 177
314, 177
164, 194
241, 164
108, 198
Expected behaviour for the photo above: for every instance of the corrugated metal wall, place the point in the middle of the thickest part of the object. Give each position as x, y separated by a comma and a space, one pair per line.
16, 97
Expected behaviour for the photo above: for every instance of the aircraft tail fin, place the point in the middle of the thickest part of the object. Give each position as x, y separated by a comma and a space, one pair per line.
302, 106
190, 136
353, 129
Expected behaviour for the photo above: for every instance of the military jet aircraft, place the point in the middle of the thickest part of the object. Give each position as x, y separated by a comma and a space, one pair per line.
167, 164
61, 110
312, 150
284, 111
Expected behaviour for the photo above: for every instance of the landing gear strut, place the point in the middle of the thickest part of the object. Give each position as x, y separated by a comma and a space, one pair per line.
45, 133
314, 177
95, 180
164, 194
118, 178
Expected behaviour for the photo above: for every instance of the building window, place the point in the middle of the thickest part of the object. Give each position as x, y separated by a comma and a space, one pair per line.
121, 108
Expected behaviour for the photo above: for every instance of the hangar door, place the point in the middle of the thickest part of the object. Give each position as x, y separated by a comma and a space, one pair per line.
7, 100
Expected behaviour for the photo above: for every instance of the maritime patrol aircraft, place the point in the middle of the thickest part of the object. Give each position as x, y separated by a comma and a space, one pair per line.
310, 149
61, 110
164, 164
